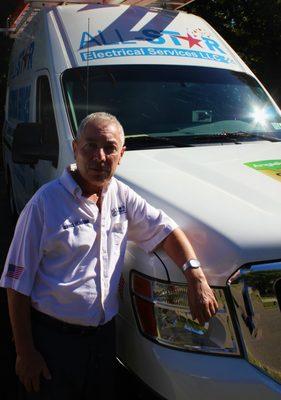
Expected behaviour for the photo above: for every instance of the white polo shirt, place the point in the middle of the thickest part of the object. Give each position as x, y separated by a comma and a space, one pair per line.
67, 256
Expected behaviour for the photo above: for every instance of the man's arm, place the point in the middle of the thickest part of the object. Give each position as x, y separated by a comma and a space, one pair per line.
201, 299
29, 363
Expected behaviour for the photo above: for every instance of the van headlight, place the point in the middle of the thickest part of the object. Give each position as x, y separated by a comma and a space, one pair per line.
163, 315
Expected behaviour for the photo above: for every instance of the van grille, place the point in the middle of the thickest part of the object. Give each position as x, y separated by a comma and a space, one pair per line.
256, 291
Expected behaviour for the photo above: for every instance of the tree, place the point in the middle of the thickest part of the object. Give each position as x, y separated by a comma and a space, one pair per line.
253, 29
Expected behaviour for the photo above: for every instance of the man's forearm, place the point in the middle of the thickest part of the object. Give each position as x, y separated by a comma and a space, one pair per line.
19, 311
178, 247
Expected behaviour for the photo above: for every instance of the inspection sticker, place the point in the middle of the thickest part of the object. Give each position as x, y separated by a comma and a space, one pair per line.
270, 168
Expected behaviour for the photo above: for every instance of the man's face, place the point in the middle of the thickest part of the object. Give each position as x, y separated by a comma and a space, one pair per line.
98, 152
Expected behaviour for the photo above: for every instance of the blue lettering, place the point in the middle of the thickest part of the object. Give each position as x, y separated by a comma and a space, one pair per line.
101, 36
23, 103
30, 55
88, 41
153, 36
121, 38
13, 104
173, 35
24, 61
212, 44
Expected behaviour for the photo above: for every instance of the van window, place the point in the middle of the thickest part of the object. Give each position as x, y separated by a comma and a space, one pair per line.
168, 105
45, 116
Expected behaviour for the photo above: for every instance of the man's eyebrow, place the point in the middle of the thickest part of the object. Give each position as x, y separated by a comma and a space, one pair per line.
90, 139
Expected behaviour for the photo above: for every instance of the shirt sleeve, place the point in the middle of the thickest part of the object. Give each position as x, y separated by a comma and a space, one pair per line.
24, 255
148, 226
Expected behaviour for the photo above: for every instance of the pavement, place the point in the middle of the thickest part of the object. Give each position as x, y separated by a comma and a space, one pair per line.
128, 386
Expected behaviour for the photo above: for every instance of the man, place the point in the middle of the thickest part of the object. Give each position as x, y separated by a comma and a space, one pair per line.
64, 265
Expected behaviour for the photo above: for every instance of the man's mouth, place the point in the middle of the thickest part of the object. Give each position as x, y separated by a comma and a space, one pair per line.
99, 170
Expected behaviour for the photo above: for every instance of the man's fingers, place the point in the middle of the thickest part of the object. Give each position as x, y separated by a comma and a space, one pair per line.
46, 372
30, 369
213, 308
204, 313
35, 383
27, 384
203, 306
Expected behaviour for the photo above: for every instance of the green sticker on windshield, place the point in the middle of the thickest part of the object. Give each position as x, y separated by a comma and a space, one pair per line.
270, 168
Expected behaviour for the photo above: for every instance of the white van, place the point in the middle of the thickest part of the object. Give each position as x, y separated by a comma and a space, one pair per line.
203, 143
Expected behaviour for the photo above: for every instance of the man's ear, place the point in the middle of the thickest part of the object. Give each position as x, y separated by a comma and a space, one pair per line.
122, 153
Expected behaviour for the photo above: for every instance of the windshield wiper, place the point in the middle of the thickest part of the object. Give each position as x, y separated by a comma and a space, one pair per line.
232, 137
144, 141
149, 142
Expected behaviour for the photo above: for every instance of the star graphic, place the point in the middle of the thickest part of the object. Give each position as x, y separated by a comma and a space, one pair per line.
192, 41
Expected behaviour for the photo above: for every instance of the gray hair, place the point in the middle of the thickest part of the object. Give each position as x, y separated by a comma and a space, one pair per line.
101, 116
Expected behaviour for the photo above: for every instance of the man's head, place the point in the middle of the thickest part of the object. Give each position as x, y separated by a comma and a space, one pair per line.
98, 149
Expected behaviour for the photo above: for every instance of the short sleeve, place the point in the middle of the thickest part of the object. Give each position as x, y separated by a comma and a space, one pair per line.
148, 226
24, 255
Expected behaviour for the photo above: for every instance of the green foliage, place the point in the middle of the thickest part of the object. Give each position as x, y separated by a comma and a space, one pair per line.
253, 29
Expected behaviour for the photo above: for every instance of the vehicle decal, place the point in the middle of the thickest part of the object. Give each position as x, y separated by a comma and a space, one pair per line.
126, 22
142, 32
19, 103
23, 62
270, 168
152, 51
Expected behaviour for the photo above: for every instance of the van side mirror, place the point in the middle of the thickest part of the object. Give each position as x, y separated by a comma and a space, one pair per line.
28, 146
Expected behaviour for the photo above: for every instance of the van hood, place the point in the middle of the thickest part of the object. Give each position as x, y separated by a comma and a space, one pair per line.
226, 198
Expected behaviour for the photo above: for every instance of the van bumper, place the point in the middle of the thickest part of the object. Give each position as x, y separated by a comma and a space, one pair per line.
181, 375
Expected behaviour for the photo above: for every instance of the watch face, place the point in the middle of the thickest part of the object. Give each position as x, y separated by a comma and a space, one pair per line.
191, 264
194, 263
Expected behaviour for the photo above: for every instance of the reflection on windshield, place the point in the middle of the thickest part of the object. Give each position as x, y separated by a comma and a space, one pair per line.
174, 104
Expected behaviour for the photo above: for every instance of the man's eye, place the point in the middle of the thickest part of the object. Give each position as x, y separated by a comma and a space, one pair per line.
90, 146
110, 148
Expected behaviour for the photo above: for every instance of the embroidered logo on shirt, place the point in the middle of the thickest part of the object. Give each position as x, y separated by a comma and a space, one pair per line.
120, 210
14, 271
76, 223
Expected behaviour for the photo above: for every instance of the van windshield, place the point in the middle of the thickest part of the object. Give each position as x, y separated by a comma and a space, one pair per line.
172, 105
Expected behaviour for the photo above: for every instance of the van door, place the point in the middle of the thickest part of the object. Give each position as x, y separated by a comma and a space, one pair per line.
45, 114
20, 176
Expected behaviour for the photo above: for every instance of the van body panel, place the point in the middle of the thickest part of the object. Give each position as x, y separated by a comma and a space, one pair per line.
217, 179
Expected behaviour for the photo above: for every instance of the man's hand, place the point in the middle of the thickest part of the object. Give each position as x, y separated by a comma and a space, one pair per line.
29, 368
202, 302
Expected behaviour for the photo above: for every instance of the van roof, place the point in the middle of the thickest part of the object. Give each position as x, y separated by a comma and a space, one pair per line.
24, 14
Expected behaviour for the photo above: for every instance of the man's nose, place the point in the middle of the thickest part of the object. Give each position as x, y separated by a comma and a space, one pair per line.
100, 154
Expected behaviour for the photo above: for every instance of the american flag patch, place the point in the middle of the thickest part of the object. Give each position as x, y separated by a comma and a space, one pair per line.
14, 271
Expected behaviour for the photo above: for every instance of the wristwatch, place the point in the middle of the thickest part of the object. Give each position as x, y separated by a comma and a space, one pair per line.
192, 263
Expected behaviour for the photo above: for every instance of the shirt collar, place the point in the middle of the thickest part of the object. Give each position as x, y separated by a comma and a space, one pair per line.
69, 182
